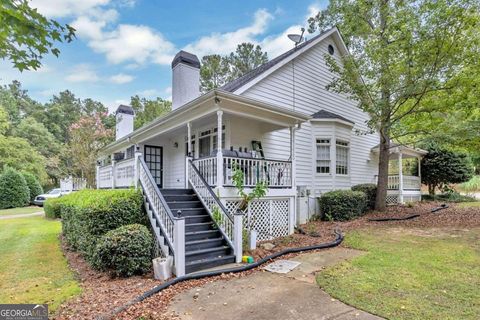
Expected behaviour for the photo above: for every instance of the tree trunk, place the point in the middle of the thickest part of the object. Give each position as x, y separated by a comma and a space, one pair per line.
382, 183
431, 189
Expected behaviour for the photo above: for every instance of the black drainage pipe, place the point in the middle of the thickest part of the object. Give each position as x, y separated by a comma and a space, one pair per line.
413, 216
443, 206
199, 275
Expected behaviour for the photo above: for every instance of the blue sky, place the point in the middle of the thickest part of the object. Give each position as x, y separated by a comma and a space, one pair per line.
124, 47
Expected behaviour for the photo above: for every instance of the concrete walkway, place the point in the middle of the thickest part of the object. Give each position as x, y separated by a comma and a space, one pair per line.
25, 215
265, 295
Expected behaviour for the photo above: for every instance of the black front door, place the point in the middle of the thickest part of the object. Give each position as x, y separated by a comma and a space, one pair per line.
154, 161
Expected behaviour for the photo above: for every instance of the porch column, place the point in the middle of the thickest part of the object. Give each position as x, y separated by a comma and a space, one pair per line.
293, 204
189, 139
219, 150
97, 175
400, 177
420, 169
137, 168
113, 173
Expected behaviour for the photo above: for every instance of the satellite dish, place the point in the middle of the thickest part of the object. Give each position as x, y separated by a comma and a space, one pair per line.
296, 38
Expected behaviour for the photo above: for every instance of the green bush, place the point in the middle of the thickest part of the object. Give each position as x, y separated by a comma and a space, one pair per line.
340, 205
370, 190
125, 251
89, 214
33, 185
13, 189
52, 208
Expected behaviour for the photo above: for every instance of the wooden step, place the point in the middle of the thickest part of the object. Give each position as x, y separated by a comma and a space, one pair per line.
202, 264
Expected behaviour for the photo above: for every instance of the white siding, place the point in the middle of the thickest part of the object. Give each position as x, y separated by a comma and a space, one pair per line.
311, 78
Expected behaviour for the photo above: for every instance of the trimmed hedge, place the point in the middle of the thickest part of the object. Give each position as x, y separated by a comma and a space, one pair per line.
33, 185
370, 190
14, 190
125, 251
52, 208
340, 205
89, 214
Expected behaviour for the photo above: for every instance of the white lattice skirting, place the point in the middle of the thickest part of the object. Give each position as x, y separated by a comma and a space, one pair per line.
269, 217
392, 199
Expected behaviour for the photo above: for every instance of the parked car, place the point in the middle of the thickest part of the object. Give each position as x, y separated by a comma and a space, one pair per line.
54, 193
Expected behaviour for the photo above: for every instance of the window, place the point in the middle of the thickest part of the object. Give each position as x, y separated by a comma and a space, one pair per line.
331, 50
130, 152
323, 155
342, 150
207, 141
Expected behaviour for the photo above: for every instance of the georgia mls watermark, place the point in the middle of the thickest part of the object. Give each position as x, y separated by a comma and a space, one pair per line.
23, 312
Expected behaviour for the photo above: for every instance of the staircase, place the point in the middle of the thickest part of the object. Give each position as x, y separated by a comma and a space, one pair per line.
205, 245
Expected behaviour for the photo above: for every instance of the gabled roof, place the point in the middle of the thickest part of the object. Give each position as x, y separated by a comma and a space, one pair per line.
239, 82
324, 114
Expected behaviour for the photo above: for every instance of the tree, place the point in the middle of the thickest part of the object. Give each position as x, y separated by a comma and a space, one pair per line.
441, 167
246, 57
401, 53
39, 137
34, 186
87, 137
26, 36
214, 72
217, 70
14, 191
17, 153
4, 123
148, 110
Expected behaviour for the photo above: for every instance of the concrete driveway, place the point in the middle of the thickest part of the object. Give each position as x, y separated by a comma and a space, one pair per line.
265, 295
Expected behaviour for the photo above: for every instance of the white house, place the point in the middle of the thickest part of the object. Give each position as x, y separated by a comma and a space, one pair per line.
277, 124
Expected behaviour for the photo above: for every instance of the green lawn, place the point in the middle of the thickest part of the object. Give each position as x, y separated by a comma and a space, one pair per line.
469, 204
32, 267
408, 275
13, 211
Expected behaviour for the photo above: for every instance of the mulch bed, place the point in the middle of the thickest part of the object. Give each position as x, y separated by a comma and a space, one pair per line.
101, 293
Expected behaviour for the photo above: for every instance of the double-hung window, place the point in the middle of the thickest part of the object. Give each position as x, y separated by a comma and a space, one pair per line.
323, 155
342, 152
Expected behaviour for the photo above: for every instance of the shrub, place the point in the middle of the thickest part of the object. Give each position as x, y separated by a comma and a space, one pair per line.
370, 190
52, 208
442, 167
342, 205
13, 189
125, 251
33, 185
89, 214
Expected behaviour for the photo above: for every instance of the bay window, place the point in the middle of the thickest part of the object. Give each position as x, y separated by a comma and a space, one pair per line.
323, 155
342, 151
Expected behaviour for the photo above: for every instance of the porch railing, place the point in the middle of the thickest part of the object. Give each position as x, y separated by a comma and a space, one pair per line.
125, 173
72, 184
172, 228
216, 209
276, 173
409, 182
105, 176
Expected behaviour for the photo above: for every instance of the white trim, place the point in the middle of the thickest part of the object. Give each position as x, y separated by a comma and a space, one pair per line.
266, 73
350, 124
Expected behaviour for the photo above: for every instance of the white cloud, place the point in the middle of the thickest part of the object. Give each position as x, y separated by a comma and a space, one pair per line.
82, 73
223, 43
66, 8
91, 26
148, 93
133, 43
121, 78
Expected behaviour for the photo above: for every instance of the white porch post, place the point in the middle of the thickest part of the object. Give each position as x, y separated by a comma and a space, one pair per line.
400, 177
189, 139
420, 168
113, 173
238, 236
219, 149
187, 172
97, 176
137, 168
293, 204
179, 246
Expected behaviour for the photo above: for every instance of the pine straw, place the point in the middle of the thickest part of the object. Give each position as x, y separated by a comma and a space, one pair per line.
101, 294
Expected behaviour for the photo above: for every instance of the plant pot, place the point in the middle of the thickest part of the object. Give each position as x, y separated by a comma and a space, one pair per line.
252, 240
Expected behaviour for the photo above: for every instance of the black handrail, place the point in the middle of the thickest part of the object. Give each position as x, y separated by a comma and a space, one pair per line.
157, 191
214, 196
246, 158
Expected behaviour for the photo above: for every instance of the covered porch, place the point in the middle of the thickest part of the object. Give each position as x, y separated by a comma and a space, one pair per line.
215, 129
404, 179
